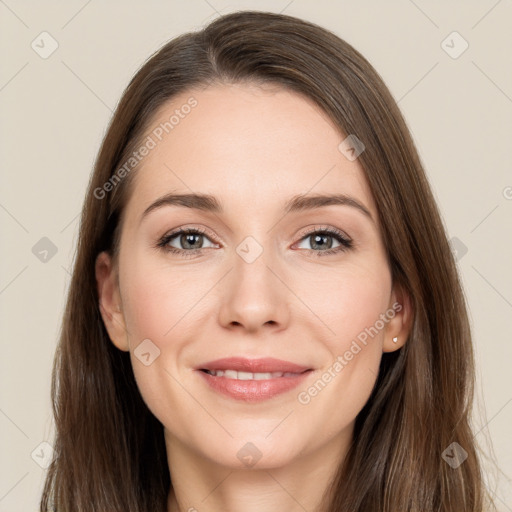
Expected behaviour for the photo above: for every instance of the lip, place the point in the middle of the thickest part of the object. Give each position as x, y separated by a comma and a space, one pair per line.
253, 390
263, 365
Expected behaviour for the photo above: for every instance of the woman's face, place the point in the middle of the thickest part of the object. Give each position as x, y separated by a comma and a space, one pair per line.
260, 281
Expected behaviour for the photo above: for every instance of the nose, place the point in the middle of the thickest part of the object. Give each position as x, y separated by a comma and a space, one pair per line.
254, 296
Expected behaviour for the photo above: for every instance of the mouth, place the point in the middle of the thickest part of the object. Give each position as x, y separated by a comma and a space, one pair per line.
255, 366
233, 374
252, 380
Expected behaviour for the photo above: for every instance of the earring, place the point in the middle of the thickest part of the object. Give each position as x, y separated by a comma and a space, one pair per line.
395, 339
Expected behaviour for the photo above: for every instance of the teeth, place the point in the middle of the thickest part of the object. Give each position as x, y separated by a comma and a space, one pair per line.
262, 376
233, 374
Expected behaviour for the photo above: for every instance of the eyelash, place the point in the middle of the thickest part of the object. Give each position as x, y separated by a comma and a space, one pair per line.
345, 242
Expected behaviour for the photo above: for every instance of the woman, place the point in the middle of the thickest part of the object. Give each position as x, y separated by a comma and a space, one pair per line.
264, 311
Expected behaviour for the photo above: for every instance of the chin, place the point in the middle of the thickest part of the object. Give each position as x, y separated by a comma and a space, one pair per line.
255, 452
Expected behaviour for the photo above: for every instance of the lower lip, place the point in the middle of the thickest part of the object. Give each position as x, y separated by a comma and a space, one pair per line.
253, 390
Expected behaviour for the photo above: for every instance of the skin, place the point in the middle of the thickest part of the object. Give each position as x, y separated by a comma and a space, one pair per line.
253, 148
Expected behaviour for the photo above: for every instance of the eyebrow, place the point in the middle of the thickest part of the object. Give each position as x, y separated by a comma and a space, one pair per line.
299, 203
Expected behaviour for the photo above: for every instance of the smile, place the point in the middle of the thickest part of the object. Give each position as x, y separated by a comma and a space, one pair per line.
233, 374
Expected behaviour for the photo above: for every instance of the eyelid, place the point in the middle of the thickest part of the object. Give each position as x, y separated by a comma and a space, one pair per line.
324, 228
303, 233
347, 241
172, 233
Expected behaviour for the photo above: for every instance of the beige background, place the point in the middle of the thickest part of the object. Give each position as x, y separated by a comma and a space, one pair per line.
55, 112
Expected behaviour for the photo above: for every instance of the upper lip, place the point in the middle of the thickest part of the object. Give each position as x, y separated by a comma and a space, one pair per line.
263, 365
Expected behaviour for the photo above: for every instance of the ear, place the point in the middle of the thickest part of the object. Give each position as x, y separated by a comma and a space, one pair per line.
110, 301
400, 316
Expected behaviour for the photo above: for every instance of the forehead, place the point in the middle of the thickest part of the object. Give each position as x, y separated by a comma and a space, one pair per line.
248, 145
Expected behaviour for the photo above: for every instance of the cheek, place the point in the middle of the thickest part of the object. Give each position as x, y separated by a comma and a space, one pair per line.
157, 306
354, 310
156, 301
350, 301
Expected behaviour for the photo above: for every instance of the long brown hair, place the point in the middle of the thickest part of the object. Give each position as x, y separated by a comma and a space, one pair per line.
109, 448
